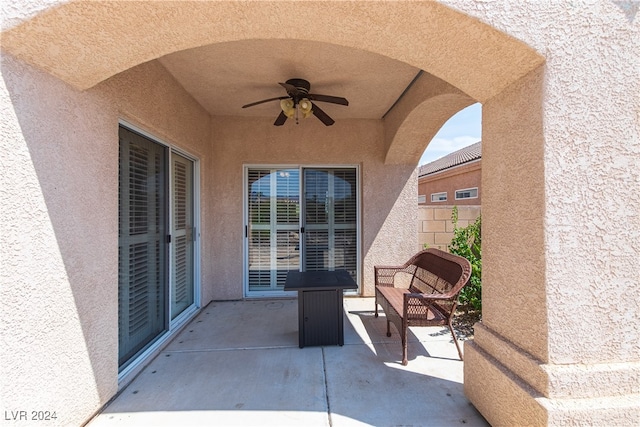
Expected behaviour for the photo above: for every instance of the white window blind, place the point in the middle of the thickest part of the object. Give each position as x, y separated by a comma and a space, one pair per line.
182, 283
273, 227
330, 220
142, 253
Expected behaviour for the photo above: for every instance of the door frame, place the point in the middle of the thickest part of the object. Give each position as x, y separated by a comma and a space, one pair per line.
134, 366
245, 221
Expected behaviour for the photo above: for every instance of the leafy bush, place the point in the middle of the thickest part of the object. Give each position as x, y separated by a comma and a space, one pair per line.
467, 242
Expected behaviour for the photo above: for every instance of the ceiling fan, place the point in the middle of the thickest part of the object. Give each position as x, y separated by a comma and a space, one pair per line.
300, 101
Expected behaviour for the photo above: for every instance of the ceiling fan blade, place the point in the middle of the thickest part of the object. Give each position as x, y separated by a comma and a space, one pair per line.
291, 90
328, 98
281, 119
324, 118
263, 101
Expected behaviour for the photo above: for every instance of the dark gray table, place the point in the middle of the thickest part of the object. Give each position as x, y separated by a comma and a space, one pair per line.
320, 305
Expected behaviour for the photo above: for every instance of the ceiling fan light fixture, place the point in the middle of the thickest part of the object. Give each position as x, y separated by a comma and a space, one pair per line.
306, 107
288, 107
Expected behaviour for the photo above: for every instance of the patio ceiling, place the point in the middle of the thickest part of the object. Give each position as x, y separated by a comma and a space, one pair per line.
222, 77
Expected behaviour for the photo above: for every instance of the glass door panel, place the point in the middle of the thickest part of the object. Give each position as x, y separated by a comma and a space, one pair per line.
273, 211
142, 248
182, 232
330, 220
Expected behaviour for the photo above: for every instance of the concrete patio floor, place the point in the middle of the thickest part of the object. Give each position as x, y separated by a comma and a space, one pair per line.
238, 364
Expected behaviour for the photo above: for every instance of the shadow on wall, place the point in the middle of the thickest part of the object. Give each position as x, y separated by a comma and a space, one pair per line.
61, 179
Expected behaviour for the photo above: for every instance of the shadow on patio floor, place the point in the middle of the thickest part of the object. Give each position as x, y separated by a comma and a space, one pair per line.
238, 363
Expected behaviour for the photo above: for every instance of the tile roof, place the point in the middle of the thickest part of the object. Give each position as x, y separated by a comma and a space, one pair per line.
464, 155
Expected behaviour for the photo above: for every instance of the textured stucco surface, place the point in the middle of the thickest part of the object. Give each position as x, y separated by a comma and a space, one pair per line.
82, 51
418, 115
60, 228
549, 292
387, 191
589, 108
560, 151
512, 182
59, 338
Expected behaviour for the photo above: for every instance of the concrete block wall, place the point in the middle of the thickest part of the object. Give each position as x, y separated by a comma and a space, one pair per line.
435, 227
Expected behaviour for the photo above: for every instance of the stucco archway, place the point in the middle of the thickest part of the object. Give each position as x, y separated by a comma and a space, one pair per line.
526, 129
88, 42
84, 43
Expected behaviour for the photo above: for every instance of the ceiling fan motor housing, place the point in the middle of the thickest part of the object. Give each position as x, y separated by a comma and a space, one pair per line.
300, 84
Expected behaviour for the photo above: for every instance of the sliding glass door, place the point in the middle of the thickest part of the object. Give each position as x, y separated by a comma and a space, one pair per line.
298, 219
142, 255
156, 244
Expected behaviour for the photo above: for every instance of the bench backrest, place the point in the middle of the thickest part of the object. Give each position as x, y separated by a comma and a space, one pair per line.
439, 272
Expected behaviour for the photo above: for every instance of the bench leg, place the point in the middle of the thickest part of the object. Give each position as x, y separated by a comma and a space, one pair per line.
405, 350
376, 302
388, 327
455, 340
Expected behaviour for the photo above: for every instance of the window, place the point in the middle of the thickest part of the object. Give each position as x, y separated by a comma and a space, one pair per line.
422, 198
439, 197
468, 193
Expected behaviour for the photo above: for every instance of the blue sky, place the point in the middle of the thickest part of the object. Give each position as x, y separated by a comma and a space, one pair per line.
461, 130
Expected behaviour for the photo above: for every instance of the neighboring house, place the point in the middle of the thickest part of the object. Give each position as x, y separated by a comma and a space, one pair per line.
454, 179
136, 189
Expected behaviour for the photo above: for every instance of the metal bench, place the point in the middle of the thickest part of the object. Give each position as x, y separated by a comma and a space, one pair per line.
435, 279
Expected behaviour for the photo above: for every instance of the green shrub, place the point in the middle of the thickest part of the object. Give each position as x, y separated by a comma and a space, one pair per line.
467, 242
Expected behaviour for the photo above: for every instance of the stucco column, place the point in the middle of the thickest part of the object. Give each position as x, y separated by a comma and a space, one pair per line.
559, 342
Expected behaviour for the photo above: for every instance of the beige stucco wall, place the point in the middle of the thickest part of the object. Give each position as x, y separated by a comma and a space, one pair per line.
387, 191
61, 219
57, 348
83, 52
60, 228
560, 150
564, 138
